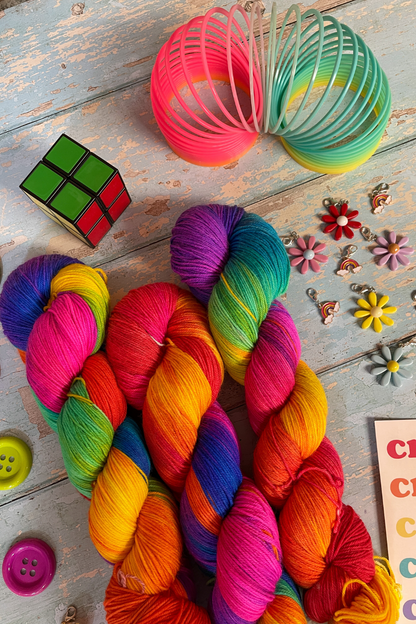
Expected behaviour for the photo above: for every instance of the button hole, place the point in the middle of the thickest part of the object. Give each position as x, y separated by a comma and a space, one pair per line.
25, 561
34, 562
8, 469
32, 573
23, 571
11, 459
2, 457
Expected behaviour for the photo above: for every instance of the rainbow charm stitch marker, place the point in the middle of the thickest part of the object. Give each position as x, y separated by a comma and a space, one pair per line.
328, 308
349, 265
380, 198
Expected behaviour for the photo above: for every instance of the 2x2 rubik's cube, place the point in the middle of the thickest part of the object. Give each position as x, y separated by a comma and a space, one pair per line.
78, 190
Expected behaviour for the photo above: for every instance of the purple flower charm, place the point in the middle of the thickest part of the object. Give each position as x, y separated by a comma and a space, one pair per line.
393, 252
308, 255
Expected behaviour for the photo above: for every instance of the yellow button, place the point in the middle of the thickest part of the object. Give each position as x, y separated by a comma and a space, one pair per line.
15, 462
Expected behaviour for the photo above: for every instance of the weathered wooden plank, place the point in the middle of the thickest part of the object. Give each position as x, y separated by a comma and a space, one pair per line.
57, 56
59, 515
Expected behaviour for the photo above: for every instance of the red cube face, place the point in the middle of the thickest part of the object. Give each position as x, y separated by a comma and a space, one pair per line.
91, 217
99, 231
113, 188
119, 206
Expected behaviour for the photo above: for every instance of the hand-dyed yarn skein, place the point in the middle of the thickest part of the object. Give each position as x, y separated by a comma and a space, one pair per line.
54, 310
235, 263
338, 132
166, 363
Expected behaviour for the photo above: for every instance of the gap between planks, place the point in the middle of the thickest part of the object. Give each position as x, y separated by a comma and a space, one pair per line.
324, 6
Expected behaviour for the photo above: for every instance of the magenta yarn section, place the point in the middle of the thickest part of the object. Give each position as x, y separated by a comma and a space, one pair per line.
270, 376
249, 558
60, 342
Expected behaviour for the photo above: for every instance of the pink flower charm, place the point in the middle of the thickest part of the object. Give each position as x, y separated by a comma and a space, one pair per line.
308, 255
393, 252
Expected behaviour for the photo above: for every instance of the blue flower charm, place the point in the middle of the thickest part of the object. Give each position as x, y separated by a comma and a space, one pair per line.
393, 369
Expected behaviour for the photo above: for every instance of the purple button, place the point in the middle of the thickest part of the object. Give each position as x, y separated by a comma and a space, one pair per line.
29, 567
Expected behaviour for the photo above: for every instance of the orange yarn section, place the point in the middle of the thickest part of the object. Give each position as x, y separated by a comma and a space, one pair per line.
103, 389
283, 610
114, 509
124, 606
201, 507
22, 355
156, 555
309, 516
291, 436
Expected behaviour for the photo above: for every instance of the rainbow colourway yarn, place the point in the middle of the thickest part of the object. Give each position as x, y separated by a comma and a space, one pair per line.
235, 263
161, 357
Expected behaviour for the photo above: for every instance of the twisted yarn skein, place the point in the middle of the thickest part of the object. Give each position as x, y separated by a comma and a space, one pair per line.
165, 362
235, 263
167, 365
54, 310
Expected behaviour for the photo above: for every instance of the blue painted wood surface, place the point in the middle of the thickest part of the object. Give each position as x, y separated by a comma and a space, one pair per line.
101, 98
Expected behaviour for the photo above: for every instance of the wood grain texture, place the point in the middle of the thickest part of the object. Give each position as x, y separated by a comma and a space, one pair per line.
88, 75
58, 55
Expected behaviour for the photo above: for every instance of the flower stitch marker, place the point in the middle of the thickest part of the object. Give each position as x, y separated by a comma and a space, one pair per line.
373, 310
308, 255
391, 367
340, 219
393, 252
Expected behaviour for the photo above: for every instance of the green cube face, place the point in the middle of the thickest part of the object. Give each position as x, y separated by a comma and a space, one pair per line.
42, 182
65, 154
70, 201
93, 173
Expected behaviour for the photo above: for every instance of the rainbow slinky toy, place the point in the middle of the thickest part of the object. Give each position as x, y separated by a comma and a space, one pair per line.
334, 134
235, 263
162, 358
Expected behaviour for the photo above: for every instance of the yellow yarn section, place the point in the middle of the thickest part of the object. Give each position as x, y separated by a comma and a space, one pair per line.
377, 603
304, 415
117, 498
91, 285
236, 298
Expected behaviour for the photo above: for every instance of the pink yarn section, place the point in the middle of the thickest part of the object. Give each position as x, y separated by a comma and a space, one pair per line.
61, 340
249, 557
270, 376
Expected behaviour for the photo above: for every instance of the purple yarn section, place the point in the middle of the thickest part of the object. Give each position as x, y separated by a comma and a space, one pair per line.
199, 246
25, 293
270, 375
249, 558
221, 613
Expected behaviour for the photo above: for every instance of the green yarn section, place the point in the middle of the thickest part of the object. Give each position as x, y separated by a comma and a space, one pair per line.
256, 273
50, 416
86, 435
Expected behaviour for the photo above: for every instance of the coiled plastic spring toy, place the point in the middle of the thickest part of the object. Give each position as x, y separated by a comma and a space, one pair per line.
331, 134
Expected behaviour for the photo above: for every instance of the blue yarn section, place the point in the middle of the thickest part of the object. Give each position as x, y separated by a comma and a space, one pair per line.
254, 243
25, 293
216, 465
129, 439
216, 460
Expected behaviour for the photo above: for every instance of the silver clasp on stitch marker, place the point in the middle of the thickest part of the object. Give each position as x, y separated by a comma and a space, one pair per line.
368, 234
362, 289
288, 240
